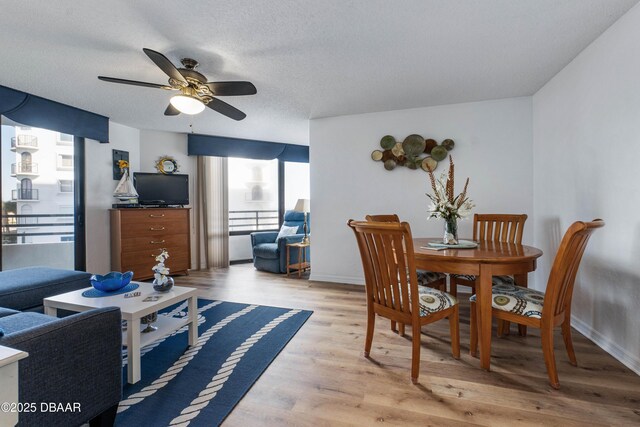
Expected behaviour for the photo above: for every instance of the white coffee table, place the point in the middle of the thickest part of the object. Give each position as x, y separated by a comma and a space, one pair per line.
133, 309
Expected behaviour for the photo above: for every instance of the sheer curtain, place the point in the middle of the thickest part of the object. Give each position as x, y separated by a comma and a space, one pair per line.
212, 213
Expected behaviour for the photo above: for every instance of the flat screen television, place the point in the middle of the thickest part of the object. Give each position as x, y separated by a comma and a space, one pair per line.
160, 189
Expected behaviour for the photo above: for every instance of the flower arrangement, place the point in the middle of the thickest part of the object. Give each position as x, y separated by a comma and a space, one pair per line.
447, 206
160, 271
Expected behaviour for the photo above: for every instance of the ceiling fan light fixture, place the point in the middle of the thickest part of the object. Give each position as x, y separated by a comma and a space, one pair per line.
187, 104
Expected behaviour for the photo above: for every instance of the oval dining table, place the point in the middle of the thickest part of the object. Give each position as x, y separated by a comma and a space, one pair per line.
487, 260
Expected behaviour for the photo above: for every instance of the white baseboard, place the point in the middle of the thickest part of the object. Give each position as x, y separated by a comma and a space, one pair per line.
631, 361
350, 280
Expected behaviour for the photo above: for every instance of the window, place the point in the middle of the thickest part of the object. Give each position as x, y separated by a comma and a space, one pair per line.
41, 203
25, 189
65, 185
253, 195
65, 161
64, 139
296, 183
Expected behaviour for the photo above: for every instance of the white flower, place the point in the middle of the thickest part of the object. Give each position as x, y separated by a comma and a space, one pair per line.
441, 205
160, 270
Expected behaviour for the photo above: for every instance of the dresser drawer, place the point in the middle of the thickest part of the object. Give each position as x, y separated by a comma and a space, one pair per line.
153, 242
136, 217
154, 228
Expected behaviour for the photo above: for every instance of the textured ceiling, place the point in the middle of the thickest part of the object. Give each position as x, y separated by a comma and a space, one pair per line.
307, 58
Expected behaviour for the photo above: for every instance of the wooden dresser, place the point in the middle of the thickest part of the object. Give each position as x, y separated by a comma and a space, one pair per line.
139, 234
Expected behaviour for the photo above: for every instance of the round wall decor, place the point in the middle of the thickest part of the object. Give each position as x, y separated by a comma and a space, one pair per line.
410, 152
167, 165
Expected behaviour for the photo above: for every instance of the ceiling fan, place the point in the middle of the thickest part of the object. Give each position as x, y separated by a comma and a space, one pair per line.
195, 91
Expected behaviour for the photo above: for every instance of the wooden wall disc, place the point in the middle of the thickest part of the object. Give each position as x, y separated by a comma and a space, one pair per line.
387, 142
439, 153
429, 144
390, 164
428, 164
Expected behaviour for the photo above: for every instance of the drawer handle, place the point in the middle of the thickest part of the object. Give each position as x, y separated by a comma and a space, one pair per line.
156, 229
156, 216
155, 243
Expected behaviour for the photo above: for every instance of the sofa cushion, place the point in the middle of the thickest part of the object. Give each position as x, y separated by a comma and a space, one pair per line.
22, 321
266, 250
287, 231
25, 288
7, 312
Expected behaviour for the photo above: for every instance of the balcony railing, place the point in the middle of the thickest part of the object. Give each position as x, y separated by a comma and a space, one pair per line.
24, 141
19, 226
244, 222
24, 168
25, 194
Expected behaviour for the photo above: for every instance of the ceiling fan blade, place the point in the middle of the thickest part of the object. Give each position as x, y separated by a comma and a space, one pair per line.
171, 111
165, 65
232, 88
226, 109
134, 82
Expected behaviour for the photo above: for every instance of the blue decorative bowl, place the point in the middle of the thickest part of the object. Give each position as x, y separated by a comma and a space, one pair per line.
111, 282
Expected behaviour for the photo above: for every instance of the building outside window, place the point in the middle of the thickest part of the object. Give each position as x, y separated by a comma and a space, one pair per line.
65, 161
64, 139
65, 185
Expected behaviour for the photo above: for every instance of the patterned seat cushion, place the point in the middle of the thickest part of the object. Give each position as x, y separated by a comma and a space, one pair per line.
496, 280
515, 299
425, 278
432, 300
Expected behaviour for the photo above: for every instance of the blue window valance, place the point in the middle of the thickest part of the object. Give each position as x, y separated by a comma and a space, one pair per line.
221, 146
39, 112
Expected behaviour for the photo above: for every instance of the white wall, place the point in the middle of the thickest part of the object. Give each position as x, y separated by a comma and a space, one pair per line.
493, 148
99, 188
586, 126
156, 144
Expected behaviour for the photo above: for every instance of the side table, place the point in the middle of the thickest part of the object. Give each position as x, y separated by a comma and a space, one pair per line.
9, 379
302, 264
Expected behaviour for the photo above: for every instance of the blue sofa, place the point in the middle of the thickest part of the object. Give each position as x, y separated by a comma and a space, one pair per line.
269, 254
76, 359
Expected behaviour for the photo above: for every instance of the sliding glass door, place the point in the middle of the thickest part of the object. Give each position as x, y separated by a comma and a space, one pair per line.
260, 191
40, 207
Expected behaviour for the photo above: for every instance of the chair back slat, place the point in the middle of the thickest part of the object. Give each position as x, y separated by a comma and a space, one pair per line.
504, 228
565, 266
386, 250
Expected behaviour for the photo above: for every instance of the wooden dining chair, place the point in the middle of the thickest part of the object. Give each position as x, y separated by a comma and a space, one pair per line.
392, 291
544, 310
425, 278
498, 228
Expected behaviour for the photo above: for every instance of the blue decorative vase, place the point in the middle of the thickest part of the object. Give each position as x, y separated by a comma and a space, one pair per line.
111, 282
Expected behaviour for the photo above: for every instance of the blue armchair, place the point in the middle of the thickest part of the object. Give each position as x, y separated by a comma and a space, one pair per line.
269, 254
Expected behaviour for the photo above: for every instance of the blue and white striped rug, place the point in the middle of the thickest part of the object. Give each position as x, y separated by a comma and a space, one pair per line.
199, 386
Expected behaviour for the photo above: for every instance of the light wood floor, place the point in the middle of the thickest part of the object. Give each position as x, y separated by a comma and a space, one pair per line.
321, 377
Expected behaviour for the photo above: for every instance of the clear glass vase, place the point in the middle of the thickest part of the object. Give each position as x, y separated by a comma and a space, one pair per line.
164, 286
450, 231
